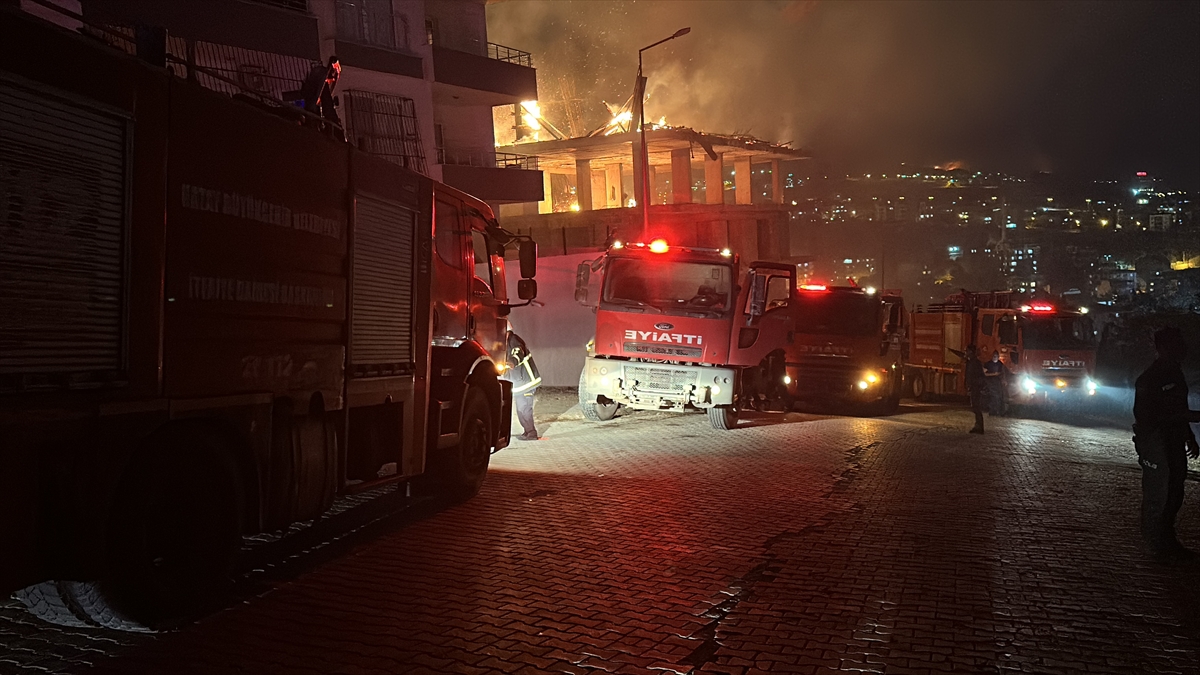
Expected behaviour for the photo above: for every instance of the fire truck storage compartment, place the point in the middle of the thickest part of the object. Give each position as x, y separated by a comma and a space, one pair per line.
382, 359
63, 205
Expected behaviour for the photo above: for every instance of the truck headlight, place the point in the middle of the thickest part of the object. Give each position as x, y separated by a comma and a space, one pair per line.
787, 379
872, 378
716, 391
604, 381
862, 384
1091, 387
1029, 385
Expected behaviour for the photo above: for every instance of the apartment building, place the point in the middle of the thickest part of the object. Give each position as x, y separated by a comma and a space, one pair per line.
418, 82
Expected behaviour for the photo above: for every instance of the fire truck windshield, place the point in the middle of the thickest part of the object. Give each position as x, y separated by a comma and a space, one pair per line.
668, 286
834, 313
1057, 332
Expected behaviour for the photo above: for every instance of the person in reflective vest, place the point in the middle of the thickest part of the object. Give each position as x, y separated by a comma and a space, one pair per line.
523, 374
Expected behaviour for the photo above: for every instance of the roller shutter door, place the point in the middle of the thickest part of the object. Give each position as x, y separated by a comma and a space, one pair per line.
63, 192
382, 324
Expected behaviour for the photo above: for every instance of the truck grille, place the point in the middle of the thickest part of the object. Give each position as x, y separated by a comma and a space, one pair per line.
833, 378
660, 379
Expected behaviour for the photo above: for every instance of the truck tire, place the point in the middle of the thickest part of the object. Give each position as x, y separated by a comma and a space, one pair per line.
591, 408
77, 604
918, 387
176, 529
458, 472
723, 417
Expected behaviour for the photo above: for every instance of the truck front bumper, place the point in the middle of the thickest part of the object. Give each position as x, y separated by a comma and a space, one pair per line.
654, 386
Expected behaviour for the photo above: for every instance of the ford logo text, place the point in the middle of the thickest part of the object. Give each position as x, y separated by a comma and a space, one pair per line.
664, 326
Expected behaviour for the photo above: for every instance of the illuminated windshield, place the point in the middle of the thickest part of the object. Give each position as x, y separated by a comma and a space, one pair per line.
833, 313
1057, 332
667, 286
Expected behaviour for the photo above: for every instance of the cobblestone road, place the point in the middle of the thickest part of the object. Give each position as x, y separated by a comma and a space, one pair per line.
652, 544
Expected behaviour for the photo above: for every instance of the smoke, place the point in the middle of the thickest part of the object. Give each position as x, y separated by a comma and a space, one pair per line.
1072, 87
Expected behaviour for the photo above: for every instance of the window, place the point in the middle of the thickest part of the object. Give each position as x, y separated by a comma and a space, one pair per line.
663, 286
447, 234
778, 291
385, 126
430, 31
1008, 331
988, 321
367, 22
489, 263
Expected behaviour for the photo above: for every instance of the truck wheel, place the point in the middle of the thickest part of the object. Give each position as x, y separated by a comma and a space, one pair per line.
919, 391
723, 417
591, 408
176, 530
459, 471
78, 604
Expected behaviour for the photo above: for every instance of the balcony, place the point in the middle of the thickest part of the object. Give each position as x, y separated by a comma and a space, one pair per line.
276, 26
368, 38
504, 76
492, 176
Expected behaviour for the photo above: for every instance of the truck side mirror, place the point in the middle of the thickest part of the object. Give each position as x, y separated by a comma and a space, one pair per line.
583, 274
527, 289
528, 254
758, 295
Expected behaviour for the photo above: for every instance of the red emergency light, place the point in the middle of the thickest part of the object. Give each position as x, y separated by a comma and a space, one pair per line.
1141, 174
659, 246
1037, 307
813, 287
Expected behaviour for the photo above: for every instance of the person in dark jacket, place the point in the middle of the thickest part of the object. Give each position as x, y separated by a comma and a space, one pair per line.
997, 382
523, 373
976, 387
1164, 440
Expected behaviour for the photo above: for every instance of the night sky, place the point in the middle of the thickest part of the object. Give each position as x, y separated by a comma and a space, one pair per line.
1086, 90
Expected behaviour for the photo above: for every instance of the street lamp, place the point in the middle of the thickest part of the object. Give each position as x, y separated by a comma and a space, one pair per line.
643, 155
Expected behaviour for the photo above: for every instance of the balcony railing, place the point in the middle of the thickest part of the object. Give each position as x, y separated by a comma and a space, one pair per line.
487, 158
292, 5
509, 55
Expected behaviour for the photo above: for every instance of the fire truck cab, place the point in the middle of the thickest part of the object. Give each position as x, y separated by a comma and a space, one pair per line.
1048, 352
850, 348
675, 330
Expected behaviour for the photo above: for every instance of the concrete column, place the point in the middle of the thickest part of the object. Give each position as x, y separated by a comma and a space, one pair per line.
583, 183
547, 203
599, 200
637, 173
743, 192
681, 176
714, 180
612, 186
653, 196
776, 182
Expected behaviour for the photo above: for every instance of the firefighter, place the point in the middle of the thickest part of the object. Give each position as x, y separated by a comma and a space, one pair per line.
1164, 440
523, 373
976, 387
995, 373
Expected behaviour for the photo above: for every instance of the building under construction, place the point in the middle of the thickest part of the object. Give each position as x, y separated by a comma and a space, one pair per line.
707, 190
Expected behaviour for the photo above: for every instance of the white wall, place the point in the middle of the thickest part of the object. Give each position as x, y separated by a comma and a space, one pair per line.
557, 332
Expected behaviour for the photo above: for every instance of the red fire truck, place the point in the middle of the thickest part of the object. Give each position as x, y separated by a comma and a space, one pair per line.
850, 348
676, 330
213, 322
1049, 352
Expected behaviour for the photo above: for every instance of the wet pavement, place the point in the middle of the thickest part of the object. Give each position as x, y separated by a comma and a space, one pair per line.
653, 544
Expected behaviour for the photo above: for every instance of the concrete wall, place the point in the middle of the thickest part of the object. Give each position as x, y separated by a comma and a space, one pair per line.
755, 232
558, 329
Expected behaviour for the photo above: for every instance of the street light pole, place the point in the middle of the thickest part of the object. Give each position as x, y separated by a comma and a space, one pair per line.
643, 153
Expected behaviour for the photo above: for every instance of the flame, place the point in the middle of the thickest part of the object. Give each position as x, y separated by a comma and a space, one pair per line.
951, 166
531, 112
619, 123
